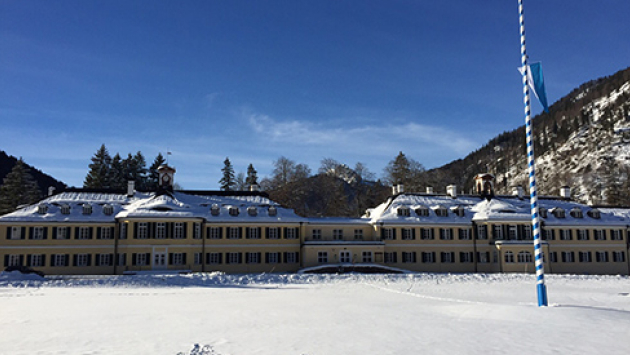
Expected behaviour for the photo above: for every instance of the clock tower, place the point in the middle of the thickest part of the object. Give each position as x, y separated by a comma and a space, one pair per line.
166, 176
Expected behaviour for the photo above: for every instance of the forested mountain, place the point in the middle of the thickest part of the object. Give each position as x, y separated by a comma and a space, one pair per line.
44, 181
583, 142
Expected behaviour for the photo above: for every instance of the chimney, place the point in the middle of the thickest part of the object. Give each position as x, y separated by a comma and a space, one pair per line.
394, 190
565, 192
518, 191
451, 190
51, 190
131, 187
254, 187
401, 188
429, 189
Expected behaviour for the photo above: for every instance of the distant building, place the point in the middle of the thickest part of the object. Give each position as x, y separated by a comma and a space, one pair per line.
99, 232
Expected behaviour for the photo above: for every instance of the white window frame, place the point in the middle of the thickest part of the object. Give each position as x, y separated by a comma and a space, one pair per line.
179, 231
388, 233
565, 234
388, 257
234, 232
582, 234
483, 257
252, 258
482, 231
466, 257
508, 257
426, 233
447, 257
123, 231
512, 232
104, 259
214, 233
273, 233
619, 256
585, 257
38, 233
616, 234
408, 256
82, 260
106, 233
14, 260
316, 234
524, 257
63, 233
253, 233
232, 257
406, 234
84, 233
197, 230
568, 257
59, 260
428, 257
464, 234
160, 230
446, 234
143, 230
37, 260
497, 231
291, 257
273, 258
599, 234
214, 258
142, 259
291, 233
178, 259
601, 256
16, 232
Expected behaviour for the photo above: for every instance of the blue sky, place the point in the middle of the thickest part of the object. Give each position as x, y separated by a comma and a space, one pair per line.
357, 81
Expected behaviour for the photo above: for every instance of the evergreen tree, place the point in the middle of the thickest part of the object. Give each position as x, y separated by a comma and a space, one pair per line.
141, 171
152, 180
117, 181
227, 182
405, 171
130, 171
99, 175
18, 188
239, 182
252, 176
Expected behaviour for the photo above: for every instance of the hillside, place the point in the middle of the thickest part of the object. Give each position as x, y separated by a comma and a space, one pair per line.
43, 180
583, 142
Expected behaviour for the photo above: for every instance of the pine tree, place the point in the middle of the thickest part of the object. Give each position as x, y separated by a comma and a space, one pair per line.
405, 171
117, 181
152, 180
252, 177
99, 175
227, 182
18, 188
141, 171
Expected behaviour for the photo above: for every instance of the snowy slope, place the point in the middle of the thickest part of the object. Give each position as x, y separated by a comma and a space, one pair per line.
314, 314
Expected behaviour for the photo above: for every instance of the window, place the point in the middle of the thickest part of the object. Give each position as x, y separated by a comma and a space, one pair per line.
140, 259
358, 234
599, 234
37, 260
619, 256
104, 260
408, 234
291, 257
143, 230
213, 258
426, 233
38, 233
584, 256
465, 257
123, 231
441, 212
447, 257
234, 233
252, 233
543, 212
367, 256
82, 260
87, 208
121, 259
337, 234
422, 211
408, 257
576, 213
272, 211
84, 233
273, 258
13, 260
582, 234
482, 231
252, 258
483, 257
65, 209
558, 212
179, 232
527, 232
273, 233
214, 232
428, 257
345, 256
553, 257
106, 233
464, 234
252, 211
497, 232
567, 257
388, 233
446, 234
317, 234
594, 213
290, 233
16, 233
524, 257
403, 212
60, 260
61, 232
197, 231
548, 234
459, 211
390, 257
233, 258
566, 234
108, 210
601, 256
233, 211
509, 257
513, 232
197, 258
322, 257
616, 235
177, 258
215, 210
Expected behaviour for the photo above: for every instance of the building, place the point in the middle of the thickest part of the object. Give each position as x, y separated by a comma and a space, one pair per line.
100, 232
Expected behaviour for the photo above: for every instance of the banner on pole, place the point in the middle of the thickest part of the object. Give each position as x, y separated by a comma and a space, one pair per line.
536, 82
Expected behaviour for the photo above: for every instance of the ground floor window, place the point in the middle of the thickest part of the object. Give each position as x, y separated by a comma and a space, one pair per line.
390, 257
585, 256
619, 256
509, 257
568, 257
601, 256
82, 260
483, 257
37, 260
234, 258
553, 257
322, 257
213, 258
408, 257
447, 257
13, 260
140, 259
104, 260
60, 260
428, 257
252, 258
122, 259
524, 257
198, 258
291, 257
367, 256
272, 258
466, 257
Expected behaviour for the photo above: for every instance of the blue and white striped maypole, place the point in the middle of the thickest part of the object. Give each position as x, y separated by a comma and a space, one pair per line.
538, 255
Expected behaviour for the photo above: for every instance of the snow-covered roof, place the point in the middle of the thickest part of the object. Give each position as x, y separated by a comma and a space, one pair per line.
107, 207
411, 209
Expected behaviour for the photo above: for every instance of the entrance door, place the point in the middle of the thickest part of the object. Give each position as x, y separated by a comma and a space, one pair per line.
159, 260
344, 256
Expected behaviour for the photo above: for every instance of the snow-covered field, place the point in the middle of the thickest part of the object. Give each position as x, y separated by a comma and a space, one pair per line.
314, 314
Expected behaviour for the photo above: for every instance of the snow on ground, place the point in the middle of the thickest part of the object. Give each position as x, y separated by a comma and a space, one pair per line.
314, 314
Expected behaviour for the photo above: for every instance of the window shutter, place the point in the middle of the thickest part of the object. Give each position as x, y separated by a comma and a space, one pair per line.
112, 232
297, 232
185, 236
220, 258
284, 233
220, 232
23, 234
259, 230
413, 233
111, 260
170, 258
247, 232
135, 233
99, 232
133, 259
30, 233
184, 258
44, 260
76, 232
90, 232
284, 257
97, 260
266, 258
297, 257
394, 233
240, 258
6, 260
67, 260
266, 232
89, 260
74, 260
28, 260
9, 233
45, 233
171, 229
382, 233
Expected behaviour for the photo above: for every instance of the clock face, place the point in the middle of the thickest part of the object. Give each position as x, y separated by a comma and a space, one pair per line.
166, 178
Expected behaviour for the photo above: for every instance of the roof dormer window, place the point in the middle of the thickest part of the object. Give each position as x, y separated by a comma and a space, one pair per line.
542, 212
459, 211
65, 209
215, 210
422, 211
234, 211
403, 212
441, 211
42, 209
87, 208
594, 213
252, 211
558, 212
273, 211
108, 210
576, 213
